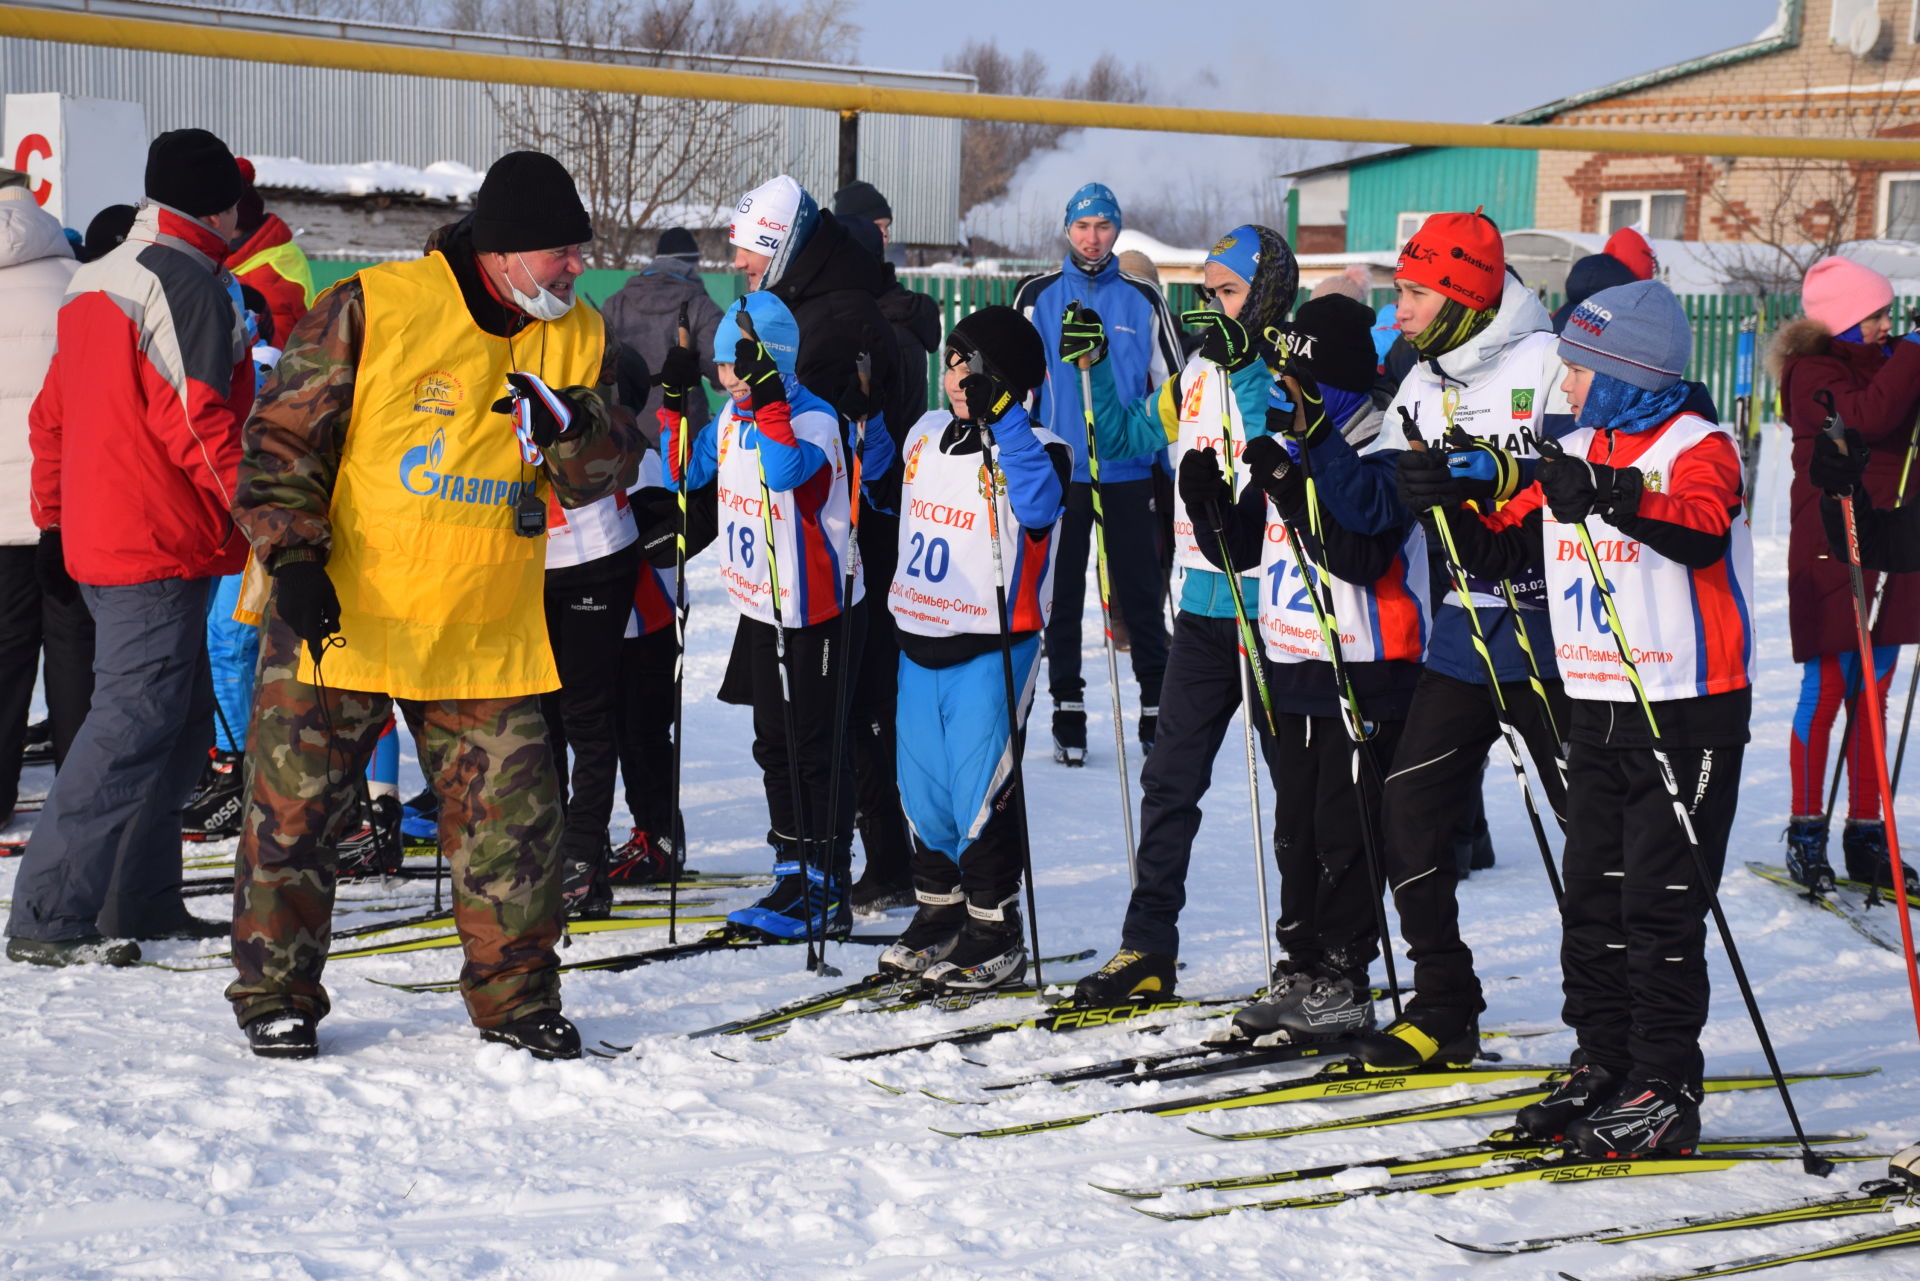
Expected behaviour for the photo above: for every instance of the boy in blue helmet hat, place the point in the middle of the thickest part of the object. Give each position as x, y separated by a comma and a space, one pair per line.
778, 458
1142, 350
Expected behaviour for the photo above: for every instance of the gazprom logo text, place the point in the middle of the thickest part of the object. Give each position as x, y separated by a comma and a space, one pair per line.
420, 474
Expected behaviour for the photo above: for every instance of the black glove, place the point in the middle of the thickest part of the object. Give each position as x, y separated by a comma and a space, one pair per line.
1202, 484
1484, 472
678, 378
543, 413
853, 404
987, 400
305, 598
1272, 468
50, 568
1423, 481
1223, 340
657, 511
1837, 473
753, 365
1082, 335
1575, 488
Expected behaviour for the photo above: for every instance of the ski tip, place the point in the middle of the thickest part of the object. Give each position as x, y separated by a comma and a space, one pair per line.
882, 1085
943, 1098
1568, 1276
952, 1134
1135, 1194
1476, 1247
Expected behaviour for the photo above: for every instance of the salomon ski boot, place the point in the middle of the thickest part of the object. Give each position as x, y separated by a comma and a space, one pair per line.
1132, 975
1422, 1034
1807, 852
373, 848
1070, 733
989, 953
1572, 1098
932, 934
1647, 1114
1863, 844
213, 812
644, 859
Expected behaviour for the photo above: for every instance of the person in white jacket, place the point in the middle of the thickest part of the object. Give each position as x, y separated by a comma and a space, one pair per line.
36, 263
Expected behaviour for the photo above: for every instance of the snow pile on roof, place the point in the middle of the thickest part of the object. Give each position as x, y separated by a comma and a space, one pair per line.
1161, 255
446, 180
1707, 267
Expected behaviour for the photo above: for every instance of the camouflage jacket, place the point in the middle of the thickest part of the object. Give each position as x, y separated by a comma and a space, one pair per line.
294, 438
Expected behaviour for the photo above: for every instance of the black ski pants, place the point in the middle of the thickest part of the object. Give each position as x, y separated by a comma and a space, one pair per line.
1633, 956
753, 678
644, 723
586, 615
871, 726
1436, 771
32, 622
1202, 695
1329, 895
1138, 587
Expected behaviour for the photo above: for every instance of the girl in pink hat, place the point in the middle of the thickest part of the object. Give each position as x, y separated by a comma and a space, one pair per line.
1841, 347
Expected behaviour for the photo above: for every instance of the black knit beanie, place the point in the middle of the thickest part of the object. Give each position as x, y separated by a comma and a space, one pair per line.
1342, 331
108, 228
528, 201
677, 242
861, 200
194, 172
1007, 342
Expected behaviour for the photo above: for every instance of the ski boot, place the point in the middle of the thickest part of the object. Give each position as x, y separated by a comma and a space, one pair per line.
420, 819
1149, 728
1807, 852
1335, 1006
1421, 1035
1573, 1098
545, 1034
1904, 1166
989, 953
801, 905
373, 848
932, 934
873, 895
1646, 1114
644, 859
584, 886
88, 949
283, 1034
37, 747
213, 812
1286, 988
1132, 975
1070, 733
1863, 843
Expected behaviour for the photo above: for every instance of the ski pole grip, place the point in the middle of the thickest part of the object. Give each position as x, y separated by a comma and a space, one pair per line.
1415, 441
1835, 430
683, 333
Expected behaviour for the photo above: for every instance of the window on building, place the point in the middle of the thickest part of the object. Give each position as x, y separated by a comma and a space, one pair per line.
1661, 215
1408, 224
1900, 206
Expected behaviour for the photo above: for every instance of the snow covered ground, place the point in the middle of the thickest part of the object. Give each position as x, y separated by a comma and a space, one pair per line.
139, 1139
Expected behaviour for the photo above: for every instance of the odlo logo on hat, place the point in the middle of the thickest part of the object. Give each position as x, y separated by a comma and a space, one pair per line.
1590, 319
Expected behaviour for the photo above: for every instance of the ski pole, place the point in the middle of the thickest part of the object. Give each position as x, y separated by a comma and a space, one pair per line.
1876, 726
815, 960
991, 488
1106, 610
1228, 458
1906, 720
1516, 748
1253, 810
863, 370
1809, 1160
1873, 621
676, 857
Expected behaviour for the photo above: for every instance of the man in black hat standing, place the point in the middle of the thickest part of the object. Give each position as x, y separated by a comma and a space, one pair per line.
427, 424
135, 436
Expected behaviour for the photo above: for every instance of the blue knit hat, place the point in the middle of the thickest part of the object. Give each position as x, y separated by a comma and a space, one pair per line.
1636, 332
1095, 200
1239, 252
779, 332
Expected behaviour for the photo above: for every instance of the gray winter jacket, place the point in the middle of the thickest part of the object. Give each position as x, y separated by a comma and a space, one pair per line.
35, 266
645, 312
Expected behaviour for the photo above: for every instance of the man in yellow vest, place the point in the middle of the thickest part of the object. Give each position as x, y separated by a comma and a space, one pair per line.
395, 487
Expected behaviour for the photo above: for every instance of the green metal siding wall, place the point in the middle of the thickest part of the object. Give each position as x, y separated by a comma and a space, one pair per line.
1436, 180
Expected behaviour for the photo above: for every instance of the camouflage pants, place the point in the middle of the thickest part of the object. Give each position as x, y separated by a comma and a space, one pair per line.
489, 762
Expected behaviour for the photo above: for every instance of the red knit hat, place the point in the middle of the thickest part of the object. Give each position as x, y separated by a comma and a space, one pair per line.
1459, 255
1631, 249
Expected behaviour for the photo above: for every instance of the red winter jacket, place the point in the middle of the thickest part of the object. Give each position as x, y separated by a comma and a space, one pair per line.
136, 431
1878, 395
284, 279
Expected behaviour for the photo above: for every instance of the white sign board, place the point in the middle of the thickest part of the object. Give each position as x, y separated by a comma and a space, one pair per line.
80, 154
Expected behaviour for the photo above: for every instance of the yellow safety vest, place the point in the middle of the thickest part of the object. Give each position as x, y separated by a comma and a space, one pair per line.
439, 598
290, 261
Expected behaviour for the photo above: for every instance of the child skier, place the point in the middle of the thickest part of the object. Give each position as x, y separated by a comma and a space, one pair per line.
1373, 592
956, 751
781, 466
1840, 347
1251, 279
1660, 490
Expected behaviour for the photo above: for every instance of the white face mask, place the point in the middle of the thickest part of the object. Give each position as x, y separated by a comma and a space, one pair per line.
545, 305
